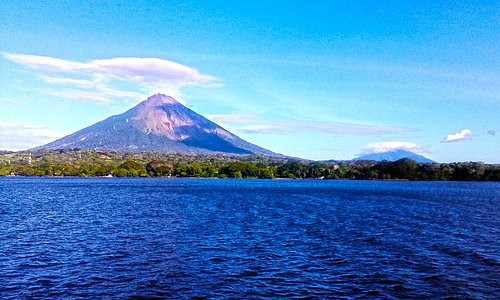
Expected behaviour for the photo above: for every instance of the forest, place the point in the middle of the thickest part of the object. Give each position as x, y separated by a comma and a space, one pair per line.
101, 163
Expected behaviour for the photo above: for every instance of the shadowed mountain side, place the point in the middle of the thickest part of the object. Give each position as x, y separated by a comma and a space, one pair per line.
158, 124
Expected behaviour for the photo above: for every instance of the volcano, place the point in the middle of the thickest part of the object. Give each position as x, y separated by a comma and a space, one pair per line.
395, 155
158, 124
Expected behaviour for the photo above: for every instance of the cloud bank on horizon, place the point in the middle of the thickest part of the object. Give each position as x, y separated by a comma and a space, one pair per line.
31, 135
382, 147
151, 74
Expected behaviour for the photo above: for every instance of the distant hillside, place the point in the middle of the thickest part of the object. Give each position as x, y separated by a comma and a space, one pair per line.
158, 124
394, 156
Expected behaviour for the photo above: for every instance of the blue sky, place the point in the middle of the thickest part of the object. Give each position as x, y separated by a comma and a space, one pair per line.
318, 80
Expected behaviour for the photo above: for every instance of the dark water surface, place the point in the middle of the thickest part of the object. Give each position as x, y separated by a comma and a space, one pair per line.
184, 238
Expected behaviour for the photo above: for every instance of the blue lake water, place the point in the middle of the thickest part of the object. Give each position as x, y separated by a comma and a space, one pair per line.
185, 238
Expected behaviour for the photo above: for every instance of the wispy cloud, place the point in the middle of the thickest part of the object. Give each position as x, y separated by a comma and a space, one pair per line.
78, 83
338, 128
252, 124
382, 147
8, 101
234, 119
465, 134
24, 136
492, 132
87, 90
83, 96
95, 78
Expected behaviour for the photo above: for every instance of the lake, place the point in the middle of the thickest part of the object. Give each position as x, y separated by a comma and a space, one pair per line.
186, 238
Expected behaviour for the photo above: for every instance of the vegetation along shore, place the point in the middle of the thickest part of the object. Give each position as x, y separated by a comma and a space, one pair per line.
95, 163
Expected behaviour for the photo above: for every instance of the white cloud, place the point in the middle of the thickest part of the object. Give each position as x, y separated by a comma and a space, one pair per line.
465, 134
95, 77
382, 147
252, 124
150, 70
24, 136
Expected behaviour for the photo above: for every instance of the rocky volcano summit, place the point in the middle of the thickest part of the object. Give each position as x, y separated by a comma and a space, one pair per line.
158, 124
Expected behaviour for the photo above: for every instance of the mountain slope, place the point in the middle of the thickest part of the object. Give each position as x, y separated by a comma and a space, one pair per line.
395, 155
158, 124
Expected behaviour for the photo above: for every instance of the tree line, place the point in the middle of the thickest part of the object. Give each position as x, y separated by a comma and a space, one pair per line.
95, 163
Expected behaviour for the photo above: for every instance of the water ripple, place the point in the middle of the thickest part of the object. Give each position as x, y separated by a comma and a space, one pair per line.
185, 238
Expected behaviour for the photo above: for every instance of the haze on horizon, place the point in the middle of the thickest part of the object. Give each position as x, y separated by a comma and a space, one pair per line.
318, 80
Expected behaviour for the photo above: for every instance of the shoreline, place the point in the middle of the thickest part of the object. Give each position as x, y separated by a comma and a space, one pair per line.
245, 178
